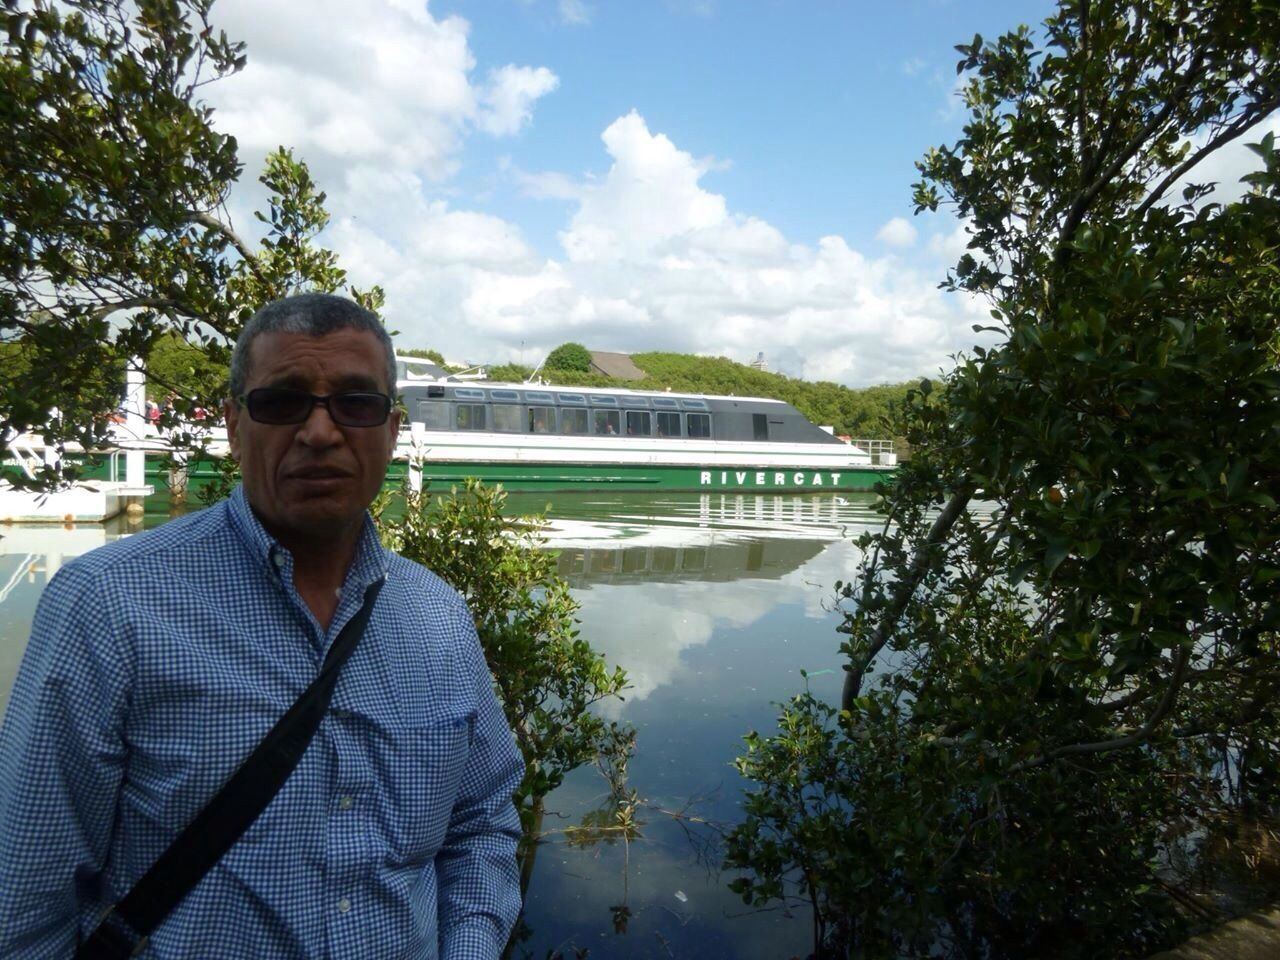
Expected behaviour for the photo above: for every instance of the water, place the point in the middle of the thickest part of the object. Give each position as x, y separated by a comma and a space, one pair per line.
713, 604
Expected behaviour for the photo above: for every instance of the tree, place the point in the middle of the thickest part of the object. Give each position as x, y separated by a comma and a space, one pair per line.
569, 356
509, 373
112, 184
1062, 645
547, 676
174, 365
435, 356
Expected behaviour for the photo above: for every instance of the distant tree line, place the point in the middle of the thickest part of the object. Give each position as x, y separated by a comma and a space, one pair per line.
435, 356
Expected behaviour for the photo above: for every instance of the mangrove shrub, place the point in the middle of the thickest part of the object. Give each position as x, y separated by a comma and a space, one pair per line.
1061, 646
547, 676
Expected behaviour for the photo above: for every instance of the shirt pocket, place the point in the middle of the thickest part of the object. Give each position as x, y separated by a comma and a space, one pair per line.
429, 764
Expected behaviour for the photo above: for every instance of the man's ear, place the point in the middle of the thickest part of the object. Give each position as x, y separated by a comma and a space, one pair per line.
231, 412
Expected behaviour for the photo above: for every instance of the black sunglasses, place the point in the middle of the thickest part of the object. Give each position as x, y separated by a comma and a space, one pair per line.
282, 405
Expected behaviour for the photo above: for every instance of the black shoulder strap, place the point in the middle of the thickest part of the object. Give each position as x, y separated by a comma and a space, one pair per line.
229, 814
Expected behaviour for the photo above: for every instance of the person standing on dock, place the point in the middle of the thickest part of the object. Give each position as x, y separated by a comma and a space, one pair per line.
373, 816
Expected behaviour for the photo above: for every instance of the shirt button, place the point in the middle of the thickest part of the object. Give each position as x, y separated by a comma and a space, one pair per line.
344, 905
340, 714
278, 560
344, 803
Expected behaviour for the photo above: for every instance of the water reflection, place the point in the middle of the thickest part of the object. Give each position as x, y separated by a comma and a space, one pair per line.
584, 567
658, 517
714, 606
29, 555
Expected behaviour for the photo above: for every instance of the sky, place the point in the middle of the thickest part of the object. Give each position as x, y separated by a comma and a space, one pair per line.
721, 177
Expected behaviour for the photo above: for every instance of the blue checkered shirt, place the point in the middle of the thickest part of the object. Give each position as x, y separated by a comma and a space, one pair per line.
157, 663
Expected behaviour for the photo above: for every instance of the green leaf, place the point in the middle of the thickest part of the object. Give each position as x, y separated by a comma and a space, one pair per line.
1054, 554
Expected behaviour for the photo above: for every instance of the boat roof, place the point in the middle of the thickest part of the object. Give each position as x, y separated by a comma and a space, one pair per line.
571, 388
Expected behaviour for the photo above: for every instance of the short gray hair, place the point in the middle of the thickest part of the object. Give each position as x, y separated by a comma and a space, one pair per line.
314, 314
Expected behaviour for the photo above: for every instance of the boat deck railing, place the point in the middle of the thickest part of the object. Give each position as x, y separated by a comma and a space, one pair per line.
882, 451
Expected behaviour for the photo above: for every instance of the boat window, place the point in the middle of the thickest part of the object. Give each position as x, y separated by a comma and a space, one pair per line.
573, 398
638, 423
573, 421
537, 396
608, 422
468, 393
697, 424
435, 390
666, 402
760, 426
506, 418
542, 419
668, 424
468, 416
635, 401
505, 396
434, 414
694, 404
601, 401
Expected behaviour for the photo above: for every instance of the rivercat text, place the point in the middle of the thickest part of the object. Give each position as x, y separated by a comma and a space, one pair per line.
770, 478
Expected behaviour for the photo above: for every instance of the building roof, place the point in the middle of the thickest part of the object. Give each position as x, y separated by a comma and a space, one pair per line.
615, 365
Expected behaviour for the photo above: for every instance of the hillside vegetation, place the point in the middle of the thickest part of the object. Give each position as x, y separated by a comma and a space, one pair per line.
866, 413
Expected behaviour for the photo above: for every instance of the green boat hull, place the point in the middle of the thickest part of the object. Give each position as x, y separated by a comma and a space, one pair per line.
565, 476
548, 477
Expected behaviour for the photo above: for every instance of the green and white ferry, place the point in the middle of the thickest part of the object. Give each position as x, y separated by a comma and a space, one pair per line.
527, 436
534, 436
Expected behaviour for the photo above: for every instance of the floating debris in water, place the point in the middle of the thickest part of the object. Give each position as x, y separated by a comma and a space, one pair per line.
680, 895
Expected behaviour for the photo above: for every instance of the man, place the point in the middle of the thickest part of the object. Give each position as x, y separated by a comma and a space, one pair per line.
157, 663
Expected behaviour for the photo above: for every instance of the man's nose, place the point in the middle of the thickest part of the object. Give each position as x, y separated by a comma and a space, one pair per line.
319, 429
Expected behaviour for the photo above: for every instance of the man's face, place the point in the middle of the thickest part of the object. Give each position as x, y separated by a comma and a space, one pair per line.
312, 481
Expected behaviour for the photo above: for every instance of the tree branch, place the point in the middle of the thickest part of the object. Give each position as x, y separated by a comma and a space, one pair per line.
1130, 740
1242, 126
134, 303
1121, 96
902, 593
1136, 695
1080, 90
1081, 206
206, 219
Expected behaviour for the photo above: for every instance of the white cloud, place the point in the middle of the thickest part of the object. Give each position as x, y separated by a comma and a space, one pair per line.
953, 105
913, 66
898, 232
509, 96
651, 259
390, 87
650, 196
648, 258
1226, 165
385, 98
950, 245
548, 186
575, 12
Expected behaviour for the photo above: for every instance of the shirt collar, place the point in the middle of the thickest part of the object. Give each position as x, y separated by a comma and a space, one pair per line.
369, 564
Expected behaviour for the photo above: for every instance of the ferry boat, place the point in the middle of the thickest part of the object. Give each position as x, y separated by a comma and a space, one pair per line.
528, 436
534, 436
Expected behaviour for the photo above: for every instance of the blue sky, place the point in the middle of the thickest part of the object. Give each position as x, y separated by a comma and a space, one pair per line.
818, 110
708, 177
